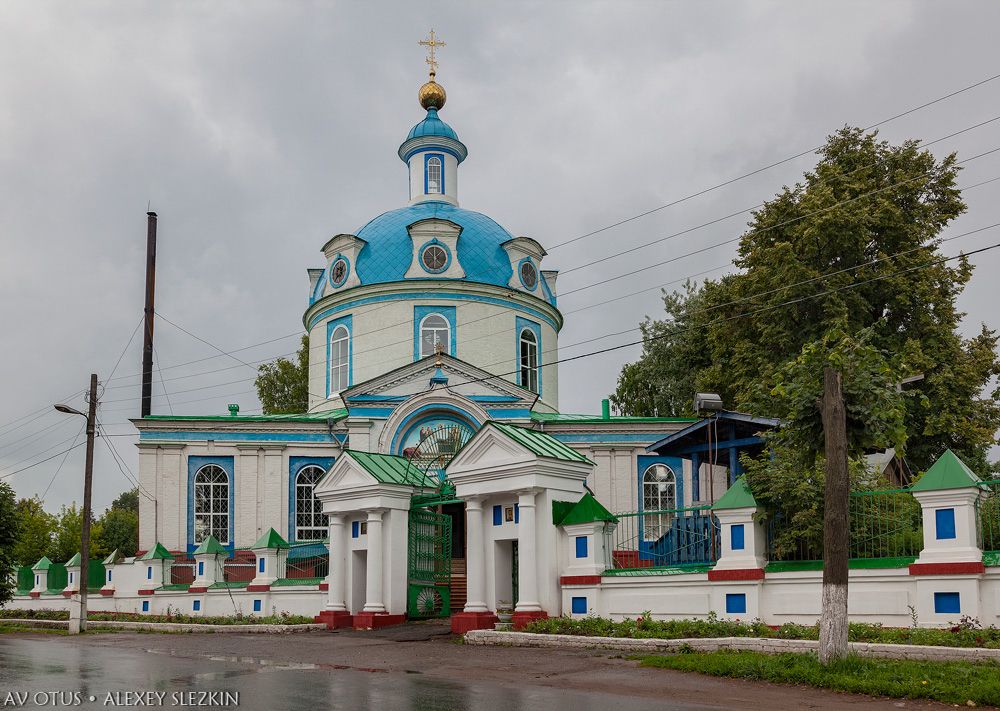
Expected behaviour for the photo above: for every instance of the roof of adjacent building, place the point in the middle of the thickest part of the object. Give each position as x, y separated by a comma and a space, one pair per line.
738, 496
157, 552
948, 472
586, 510
546, 417
319, 416
540, 443
270, 539
390, 469
745, 426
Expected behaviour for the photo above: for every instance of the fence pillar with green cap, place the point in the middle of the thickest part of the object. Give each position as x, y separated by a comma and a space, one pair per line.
738, 573
157, 564
109, 563
271, 552
588, 530
41, 571
208, 561
72, 576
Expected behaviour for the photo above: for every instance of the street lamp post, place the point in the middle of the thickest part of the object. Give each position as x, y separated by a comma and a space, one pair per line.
88, 480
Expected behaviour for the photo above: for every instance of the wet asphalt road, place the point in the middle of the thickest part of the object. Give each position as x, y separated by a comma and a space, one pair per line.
44, 667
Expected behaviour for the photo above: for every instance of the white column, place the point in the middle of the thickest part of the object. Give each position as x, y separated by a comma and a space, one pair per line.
373, 580
527, 555
336, 579
475, 559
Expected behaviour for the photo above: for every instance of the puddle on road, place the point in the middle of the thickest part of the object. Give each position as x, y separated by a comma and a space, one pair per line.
275, 665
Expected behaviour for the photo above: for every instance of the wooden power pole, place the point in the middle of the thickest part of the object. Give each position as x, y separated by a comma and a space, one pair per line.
836, 523
147, 334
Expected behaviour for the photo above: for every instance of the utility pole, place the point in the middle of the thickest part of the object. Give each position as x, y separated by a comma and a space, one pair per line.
833, 625
149, 312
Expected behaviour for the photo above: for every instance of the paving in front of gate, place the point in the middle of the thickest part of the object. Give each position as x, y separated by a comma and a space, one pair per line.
414, 667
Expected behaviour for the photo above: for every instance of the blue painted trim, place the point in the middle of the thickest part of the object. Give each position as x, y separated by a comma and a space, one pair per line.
736, 537
736, 603
196, 606
431, 147
332, 325
378, 398
676, 464
427, 160
434, 243
317, 292
261, 564
549, 296
944, 524
371, 411
601, 438
947, 603
149, 572
201, 569
579, 605
494, 398
538, 275
226, 464
295, 467
517, 513
256, 605
413, 420
145, 605
238, 436
448, 314
507, 414
519, 325
497, 515
725, 444
581, 546
355, 529
347, 272
429, 295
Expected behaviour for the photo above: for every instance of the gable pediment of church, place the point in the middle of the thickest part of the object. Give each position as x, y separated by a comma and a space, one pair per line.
463, 379
344, 474
489, 448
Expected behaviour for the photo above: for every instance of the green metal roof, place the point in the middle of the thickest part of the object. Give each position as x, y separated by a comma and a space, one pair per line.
43, 564
157, 552
322, 416
540, 444
586, 510
597, 419
948, 472
210, 545
113, 557
75, 560
390, 469
270, 539
739, 496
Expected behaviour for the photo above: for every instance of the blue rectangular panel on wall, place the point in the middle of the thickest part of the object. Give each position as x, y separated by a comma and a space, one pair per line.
517, 513
145, 605
736, 603
257, 606
260, 565
201, 568
581, 546
944, 523
947, 603
736, 533
355, 529
579, 606
497, 515
196, 606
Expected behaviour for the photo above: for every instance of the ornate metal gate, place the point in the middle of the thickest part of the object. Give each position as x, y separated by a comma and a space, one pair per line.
428, 565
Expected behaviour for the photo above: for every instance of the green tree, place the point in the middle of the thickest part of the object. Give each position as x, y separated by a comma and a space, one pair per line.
864, 201
127, 501
118, 527
37, 532
9, 536
68, 533
283, 385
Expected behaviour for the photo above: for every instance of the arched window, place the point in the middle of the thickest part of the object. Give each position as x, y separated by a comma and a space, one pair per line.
340, 359
310, 523
433, 175
528, 371
211, 504
659, 498
434, 329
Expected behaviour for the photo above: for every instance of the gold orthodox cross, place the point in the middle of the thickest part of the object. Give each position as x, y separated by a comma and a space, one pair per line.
439, 349
432, 43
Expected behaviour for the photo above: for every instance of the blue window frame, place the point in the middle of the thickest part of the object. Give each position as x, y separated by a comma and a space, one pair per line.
434, 174
517, 513
355, 529
527, 273
201, 568
434, 256
306, 521
261, 562
145, 605
736, 533
340, 269
581, 546
109, 576
528, 354
214, 516
428, 330
736, 603
944, 523
149, 572
498, 515
257, 606
579, 605
339, 355
70, 578
947, 603
196, 605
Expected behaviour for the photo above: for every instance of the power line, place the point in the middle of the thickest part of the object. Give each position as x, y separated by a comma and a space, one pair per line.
18, 471
59, 468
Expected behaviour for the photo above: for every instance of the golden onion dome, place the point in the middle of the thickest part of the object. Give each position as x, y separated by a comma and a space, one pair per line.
432, 95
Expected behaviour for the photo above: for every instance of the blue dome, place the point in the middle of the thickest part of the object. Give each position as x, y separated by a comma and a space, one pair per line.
432, 126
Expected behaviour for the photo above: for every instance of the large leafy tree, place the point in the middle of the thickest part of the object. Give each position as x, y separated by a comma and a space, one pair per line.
68, 533
37, 532
9, 534
118, 527
283, 385
855, 245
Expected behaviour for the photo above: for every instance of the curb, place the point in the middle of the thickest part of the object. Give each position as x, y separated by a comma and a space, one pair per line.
170, 626
765, 645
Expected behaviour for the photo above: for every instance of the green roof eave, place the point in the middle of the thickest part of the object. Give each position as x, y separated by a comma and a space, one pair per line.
157, 552
324, 416
586, 510
113, 557
738, 496
539, 443
597, 419
43, 564
948, 472
270, 539
74, 561
390, 469
210, 546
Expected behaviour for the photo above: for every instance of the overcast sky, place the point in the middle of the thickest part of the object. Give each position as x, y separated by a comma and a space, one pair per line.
259, 129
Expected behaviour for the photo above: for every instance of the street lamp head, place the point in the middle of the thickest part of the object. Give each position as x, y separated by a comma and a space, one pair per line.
69, 410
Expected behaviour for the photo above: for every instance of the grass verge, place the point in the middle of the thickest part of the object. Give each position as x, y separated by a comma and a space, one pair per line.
950, 682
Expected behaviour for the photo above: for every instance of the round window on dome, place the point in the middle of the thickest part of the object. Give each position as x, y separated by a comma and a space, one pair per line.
529, 275
435, 258
339, 272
